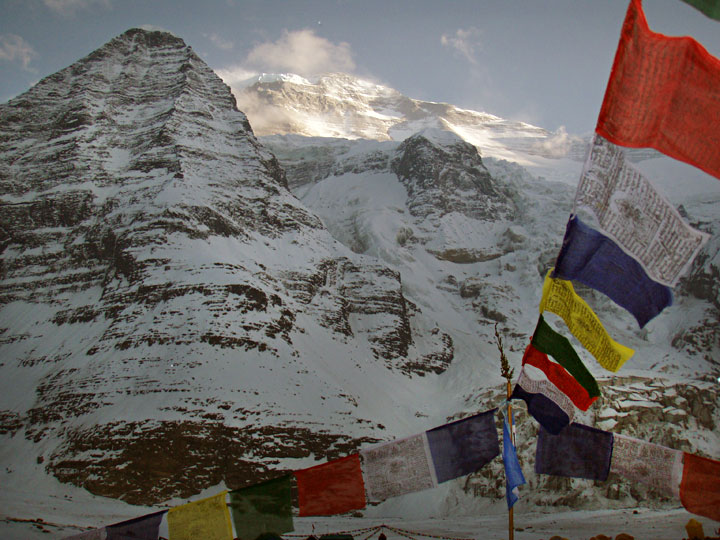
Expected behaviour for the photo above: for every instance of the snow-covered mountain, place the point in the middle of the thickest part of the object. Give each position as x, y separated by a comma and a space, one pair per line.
168, 305
184, 305
344, 106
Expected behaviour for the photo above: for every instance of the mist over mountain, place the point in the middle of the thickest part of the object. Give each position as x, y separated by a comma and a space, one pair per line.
185, 305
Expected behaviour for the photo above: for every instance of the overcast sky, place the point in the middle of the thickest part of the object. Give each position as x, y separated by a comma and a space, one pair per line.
541, 61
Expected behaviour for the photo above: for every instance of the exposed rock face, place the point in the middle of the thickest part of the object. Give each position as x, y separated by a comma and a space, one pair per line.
449, 178
160, 286
179, 307
370, 295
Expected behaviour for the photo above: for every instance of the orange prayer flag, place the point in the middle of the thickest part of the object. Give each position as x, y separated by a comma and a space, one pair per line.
331, 488
700, 486
663, 93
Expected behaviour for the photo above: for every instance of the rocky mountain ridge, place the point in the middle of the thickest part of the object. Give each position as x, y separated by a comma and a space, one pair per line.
156, 271
183, 304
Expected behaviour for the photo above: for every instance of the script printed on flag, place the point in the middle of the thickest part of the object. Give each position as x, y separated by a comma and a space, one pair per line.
548, 389
560, 298
207, 518
398, 467
632, 212
663, 93
656, 466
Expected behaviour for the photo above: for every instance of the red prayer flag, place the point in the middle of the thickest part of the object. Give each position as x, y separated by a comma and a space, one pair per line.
557, 375
663, 93
700, 486
335, 487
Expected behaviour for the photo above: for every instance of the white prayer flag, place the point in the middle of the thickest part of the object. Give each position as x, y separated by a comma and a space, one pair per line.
633, 213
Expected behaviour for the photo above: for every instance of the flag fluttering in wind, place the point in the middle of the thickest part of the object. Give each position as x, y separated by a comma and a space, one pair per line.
513, 472
578, 451
94, 534
142, 528
558, 376
700, 487
401, 466
545, 402
711, 8
646, 463
663, 93
331, 488
262, 508
635, 215
207, 518
548, 341
463, 446
559, 297
593, 259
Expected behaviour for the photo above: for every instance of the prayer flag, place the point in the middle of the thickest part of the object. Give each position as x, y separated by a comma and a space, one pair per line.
94, 534
700, 486
663, 93
398, 467
207, 518
647, 463
559, 297
262, 508
711, 8
548, 341
331, 488
578, 451
464, 446
557, 375
635, 215
142, 528
594, 259
513, 473
549, 406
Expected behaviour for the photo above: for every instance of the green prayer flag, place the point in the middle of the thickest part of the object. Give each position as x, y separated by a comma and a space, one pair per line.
262, 508
548, 341
711, 8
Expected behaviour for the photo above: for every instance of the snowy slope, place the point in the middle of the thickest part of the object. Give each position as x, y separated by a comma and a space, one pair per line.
184, 306
168, 305
343, 106
666, 393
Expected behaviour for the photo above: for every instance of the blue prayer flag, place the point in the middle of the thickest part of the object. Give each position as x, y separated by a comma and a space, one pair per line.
464, 446
142, 528
552, 409
513, 473
578, 451
593, 259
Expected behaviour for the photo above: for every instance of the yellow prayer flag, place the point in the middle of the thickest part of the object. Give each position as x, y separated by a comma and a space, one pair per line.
208, 519
560, 298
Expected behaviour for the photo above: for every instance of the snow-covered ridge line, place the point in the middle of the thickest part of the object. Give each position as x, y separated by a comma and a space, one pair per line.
177, 295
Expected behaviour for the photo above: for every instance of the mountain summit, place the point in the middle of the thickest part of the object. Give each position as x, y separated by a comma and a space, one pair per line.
184, 305
168, 306
345, 106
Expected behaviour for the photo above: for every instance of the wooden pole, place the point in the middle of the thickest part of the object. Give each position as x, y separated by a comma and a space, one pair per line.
511, 517
507, 373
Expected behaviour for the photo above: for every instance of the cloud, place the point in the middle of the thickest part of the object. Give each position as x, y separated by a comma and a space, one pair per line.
220, 42
68, 7
234, 76
267, 118
301, 52
14, 48
558, 144
464, 42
